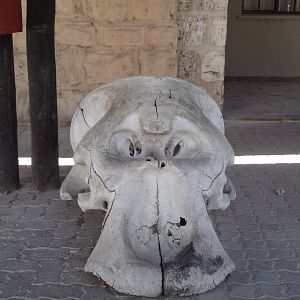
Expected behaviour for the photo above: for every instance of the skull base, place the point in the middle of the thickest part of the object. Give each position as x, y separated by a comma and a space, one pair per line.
152, 153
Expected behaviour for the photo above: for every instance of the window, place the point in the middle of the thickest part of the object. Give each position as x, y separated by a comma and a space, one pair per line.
271, 6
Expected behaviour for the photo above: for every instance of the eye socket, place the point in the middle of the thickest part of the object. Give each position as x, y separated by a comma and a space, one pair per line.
173, 148
122, 144
131, 148
138, 148
176, 149
186, 145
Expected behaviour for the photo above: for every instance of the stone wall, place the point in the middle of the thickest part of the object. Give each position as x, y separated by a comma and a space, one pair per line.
202, 28
97, 41
101, 40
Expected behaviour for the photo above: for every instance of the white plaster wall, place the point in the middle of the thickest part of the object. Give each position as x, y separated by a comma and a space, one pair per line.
260, 47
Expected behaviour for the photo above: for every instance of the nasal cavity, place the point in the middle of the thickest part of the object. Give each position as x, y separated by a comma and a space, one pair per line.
182, 222
105, 205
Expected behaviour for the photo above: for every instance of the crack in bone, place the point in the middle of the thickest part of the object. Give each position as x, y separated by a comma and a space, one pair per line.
102, 181
88, 181
211, 184
160, 93
207, 175
111, 191
156, 109
93, 169
90, 169
158, 238
85, 121
109, 178
109, 211
86, 147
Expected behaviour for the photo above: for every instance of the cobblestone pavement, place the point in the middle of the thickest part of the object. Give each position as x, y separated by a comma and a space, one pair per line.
45, 242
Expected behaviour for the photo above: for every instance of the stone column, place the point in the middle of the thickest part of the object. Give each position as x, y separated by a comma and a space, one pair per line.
202, 28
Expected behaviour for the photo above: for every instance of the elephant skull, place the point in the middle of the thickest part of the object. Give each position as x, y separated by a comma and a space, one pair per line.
151, 152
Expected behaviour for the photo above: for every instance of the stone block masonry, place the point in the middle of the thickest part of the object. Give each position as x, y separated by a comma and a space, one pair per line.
202, 27
101, 40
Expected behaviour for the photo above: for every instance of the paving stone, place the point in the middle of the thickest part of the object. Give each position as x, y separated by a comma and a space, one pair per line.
267, 226
259, 205
15, 266
10, 249
245, 219
242, 290
241, 265
263, 298
18, 284
277, 244
293, 289
78, 243
7, 200
263, 276
267, 219
33, 224
236, 254
59, 216
287, 219
286, 265
263, 212
36, 243
229, 235
252, 244
76, 275
54, 269
257, 254
290, 226
281, 253
290, 276
9, 221
36, 233
283, 212
271, 289
256, 264
239, 277
273, 235
251, 235
233, 245
96, 292
292, 235
295, 244
55, 290
3, 277
33, 212
11, 210
66, 229
218, 293
45, 254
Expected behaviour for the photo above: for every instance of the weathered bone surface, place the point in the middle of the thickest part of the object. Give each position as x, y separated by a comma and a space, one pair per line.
152, 153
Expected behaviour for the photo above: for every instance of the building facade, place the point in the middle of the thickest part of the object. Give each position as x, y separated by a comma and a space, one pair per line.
101, 40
